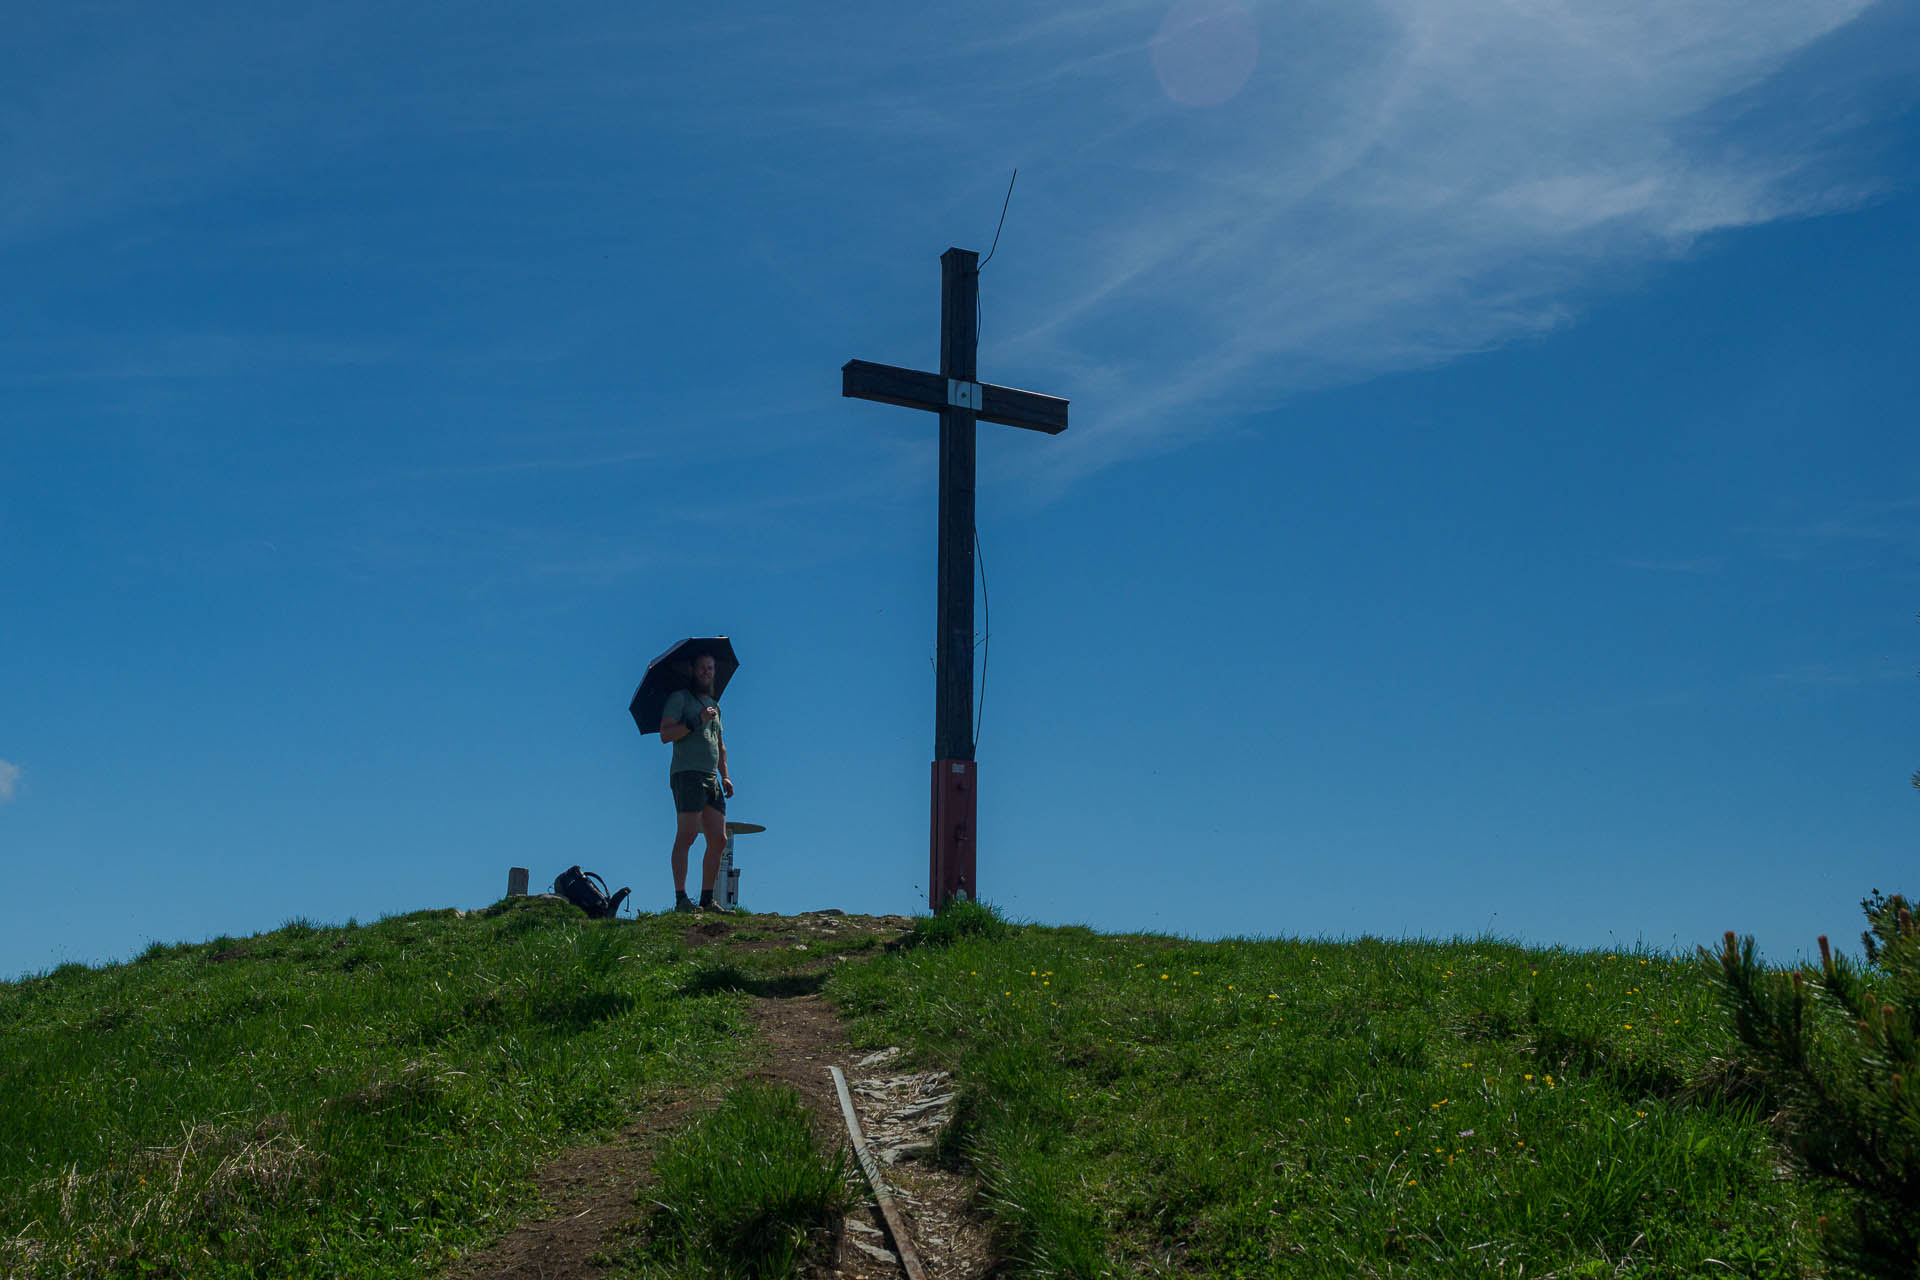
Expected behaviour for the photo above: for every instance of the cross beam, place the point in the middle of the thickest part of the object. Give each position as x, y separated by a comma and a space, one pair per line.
912, 389
961, 399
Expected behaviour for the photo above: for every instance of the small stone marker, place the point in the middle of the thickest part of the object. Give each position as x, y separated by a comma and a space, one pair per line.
516, 882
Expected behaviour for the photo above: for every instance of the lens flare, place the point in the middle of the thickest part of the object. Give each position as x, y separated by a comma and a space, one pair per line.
1205, 50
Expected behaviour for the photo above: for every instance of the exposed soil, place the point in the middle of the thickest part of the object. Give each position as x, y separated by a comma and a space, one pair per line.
804, 1037
591, 1191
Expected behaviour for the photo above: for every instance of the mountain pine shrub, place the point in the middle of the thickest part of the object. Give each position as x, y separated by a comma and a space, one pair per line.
1839, 1046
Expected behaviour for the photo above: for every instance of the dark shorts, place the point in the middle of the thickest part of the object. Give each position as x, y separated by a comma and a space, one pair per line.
693, 792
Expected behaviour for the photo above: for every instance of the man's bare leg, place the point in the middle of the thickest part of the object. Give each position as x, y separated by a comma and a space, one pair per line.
714, 822
682, 842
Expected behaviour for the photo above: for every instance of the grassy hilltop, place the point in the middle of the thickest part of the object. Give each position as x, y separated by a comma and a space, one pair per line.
376, 1100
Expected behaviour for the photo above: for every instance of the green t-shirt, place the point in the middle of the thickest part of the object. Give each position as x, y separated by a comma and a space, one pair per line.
699, 751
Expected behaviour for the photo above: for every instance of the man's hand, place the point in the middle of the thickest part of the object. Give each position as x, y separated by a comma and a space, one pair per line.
709, 713
726, 786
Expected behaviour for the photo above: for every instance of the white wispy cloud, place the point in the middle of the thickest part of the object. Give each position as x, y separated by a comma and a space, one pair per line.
1889, 528
1692, 565
1843, 674
1396, 185
9, 780
169, 357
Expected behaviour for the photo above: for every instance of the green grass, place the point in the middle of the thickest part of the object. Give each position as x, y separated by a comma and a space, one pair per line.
1144, 1105
372, 1101
957, 918
745, 1192
361, 1101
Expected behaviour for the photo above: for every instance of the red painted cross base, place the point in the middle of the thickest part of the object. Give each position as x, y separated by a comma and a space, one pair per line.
954, 809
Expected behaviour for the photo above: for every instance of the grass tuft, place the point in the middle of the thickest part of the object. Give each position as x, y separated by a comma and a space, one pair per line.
730, 977
957, 918
1045, 1228
745, 1191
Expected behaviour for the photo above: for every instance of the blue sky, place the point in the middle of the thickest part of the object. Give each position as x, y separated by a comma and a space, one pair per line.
1491, 504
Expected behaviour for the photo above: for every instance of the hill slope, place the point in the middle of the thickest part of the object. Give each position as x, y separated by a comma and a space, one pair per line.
376, 1100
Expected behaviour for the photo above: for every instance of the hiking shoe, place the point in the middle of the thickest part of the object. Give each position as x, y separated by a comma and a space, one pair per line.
711, 905
682, 902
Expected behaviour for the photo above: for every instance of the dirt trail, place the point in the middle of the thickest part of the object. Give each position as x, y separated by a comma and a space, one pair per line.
591, 1190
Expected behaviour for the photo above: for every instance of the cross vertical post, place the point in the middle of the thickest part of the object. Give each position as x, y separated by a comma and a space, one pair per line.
953, 653
961, 400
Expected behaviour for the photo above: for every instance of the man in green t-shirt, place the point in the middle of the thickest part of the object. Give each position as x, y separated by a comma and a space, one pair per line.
698, 775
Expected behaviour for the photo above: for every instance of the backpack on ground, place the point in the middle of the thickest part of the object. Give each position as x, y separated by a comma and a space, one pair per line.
588, 892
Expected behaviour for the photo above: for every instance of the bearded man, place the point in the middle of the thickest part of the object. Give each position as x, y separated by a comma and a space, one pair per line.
698, 775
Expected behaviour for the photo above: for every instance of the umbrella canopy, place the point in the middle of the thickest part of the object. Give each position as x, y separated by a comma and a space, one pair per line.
674, 670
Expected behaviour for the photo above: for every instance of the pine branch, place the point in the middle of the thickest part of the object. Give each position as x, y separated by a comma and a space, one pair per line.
1840, 1046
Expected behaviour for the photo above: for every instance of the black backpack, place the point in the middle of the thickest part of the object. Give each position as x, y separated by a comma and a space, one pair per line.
588, 892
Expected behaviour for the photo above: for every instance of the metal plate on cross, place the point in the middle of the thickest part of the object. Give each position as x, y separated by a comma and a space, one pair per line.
744, 828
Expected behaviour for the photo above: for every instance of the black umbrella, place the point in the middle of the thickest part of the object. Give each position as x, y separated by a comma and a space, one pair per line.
674, 670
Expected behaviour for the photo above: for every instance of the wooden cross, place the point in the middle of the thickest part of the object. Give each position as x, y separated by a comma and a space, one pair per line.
957, 395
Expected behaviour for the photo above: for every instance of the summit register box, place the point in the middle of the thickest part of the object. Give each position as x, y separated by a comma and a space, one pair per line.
726, 885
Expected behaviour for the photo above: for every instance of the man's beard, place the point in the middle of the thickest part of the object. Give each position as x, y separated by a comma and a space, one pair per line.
703, 687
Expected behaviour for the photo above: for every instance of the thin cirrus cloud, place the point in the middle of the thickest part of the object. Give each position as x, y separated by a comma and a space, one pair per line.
1221, 201
9, 780
1694, 565
1395, 185
1886, 529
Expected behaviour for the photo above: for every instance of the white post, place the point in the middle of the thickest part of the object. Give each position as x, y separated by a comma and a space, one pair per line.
726, 885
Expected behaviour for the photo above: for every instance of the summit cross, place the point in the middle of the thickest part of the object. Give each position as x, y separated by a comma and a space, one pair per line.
961, 399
